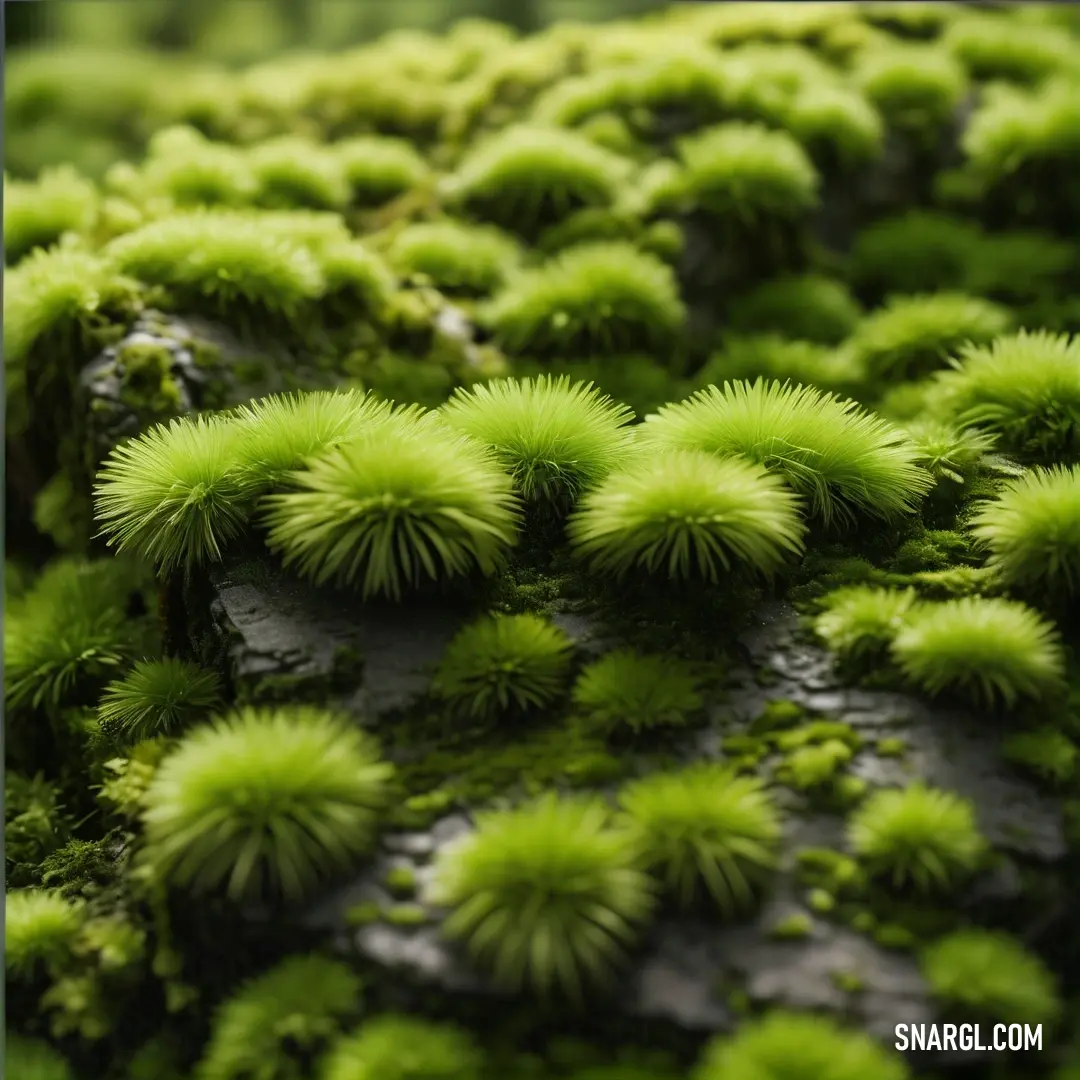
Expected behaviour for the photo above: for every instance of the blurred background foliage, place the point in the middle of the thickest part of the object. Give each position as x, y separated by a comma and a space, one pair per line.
243, 30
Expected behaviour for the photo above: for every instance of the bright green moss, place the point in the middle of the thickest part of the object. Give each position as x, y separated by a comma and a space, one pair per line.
378, 169
1046, 752
840, 458
781, 360
455, 257
912, 336
916, 88
745, 173
38, 214
594, 298
527, 176
993, 48
294, 172
808, 308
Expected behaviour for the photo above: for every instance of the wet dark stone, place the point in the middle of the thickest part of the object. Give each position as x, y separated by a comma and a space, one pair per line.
274, 628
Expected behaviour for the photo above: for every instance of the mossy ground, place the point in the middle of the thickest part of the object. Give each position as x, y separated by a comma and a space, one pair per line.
866, 209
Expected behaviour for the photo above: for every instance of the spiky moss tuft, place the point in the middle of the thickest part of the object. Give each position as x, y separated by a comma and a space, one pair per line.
471, 259
949, 452
593, 298
379, 168
189, 170
1043, 752
555, 437
783, 1044
177, 494
994, 49
835, 123
40, 928
37, 214
33, 1059
917, 88
1023, 388
527, 176
407, 502
264, 803
1032, 530
295, 172
638, 692
912, 252
393, 1047
279, 433
221, 259
1022, 267
548, 895
912, 336
68, 633
687, 515
744, 173
157, 697
770, 357
844, 460
503, 663
1012, 131
990, 974
917, 836
704, 829
57, 294
988, 649
806, 308
860, 622
298, 1006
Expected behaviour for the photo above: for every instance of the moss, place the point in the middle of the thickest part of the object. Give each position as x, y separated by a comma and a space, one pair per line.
779, 714
401, 881
406, 915
794, 928
891, 747
850, 982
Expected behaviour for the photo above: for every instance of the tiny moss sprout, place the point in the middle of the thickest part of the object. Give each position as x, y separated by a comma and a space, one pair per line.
687, 515
949, 452
222, 259
1023, 388
704, 831
640, 692
40, 928
782, 1045
992, 975
174, 495
278, 434
379, 168
555, 437
988, 649
468, 259
301, 1004
395, 1047
70, 630
37, 214
264, 803
548, 895
1032, 531
917, 836
843, 459
601, 297
157, 697
1046, 752
860, 622
33, 1059
527, 176
912, 336
406, 502
744, 173
806, 308
502, 663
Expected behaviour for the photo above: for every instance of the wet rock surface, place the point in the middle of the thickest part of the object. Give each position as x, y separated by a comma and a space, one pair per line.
687, 968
